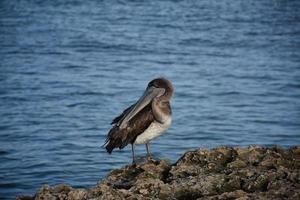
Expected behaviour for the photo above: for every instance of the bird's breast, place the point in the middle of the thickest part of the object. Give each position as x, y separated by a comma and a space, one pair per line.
154, 130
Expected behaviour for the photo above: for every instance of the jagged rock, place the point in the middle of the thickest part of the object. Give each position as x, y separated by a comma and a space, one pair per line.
221, 173
77, 194
237, 164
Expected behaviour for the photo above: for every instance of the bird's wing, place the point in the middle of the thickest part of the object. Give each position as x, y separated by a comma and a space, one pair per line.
121, 116
120, 137
139, 123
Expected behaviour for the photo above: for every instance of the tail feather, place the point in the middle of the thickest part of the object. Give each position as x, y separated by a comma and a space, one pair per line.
109, 148
115, 139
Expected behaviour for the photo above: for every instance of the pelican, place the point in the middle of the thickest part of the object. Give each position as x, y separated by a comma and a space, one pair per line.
143, 121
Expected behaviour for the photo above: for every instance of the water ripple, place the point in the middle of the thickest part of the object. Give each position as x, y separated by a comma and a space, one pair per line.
69, 67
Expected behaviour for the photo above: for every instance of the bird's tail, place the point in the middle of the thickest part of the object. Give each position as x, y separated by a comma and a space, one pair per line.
115, 139
109, 147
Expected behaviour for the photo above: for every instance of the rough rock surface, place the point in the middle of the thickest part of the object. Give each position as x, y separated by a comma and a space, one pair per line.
221, 173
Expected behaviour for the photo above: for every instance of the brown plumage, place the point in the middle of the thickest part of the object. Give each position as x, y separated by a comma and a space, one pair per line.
119, 138
144, 120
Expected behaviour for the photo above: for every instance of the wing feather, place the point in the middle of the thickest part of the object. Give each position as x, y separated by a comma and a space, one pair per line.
118, 119
119, 138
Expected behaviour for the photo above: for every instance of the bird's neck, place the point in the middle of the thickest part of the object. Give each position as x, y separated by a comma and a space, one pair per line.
161, 109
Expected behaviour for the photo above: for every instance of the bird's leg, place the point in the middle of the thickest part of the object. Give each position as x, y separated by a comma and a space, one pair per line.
133, 152
148, 151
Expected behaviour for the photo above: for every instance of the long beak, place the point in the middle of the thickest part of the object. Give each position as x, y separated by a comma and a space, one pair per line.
147, 97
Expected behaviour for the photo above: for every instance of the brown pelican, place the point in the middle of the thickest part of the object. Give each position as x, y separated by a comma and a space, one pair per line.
143, 121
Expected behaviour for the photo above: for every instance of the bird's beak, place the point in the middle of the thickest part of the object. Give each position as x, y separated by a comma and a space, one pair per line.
147, 97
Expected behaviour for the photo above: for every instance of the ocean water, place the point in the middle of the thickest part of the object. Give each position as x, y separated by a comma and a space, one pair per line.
68, 68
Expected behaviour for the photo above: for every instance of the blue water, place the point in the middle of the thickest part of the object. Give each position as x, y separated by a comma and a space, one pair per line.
68, 68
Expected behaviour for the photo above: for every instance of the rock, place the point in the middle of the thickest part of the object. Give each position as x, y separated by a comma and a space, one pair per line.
220, 173
45, 192
196, 186
238, 194
255, 154
158, 170
237, 164
268, 163
77, 194
152, 188
61, 188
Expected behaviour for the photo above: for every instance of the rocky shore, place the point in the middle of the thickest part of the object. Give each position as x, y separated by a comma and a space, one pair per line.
221, 173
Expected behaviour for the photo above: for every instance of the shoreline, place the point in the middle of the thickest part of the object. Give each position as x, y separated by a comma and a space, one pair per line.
254, 172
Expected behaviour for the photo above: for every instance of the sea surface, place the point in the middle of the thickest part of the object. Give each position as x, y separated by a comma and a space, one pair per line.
67, 68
